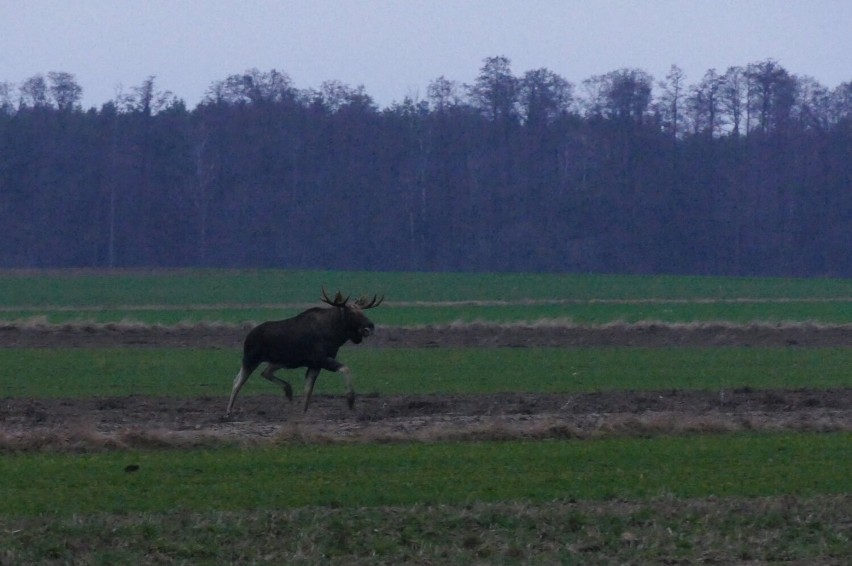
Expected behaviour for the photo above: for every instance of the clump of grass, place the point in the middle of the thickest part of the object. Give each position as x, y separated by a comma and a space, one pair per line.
82, 438
670, 423
72, 438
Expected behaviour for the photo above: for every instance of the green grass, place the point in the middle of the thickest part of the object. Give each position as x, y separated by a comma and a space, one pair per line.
186, 372
163, 296
830, 311
788, 529
837, 312
717, 498
441, 473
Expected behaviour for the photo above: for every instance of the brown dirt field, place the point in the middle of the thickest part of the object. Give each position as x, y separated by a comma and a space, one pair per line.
84, 424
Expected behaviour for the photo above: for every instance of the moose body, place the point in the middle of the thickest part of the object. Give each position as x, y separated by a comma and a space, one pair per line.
310, 340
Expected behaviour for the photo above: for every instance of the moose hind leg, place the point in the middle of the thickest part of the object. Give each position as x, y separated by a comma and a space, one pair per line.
240, 380
269, 374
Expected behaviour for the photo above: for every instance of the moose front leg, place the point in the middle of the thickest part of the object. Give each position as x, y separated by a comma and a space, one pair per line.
269, 374
333, 365
350, 391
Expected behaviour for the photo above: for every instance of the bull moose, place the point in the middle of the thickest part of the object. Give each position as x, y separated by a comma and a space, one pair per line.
310, 340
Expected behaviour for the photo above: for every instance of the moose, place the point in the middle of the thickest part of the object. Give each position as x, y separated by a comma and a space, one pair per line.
310, 340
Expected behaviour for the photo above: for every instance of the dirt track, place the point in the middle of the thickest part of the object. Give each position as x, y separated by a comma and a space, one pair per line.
154, 421
139, 421
649, 335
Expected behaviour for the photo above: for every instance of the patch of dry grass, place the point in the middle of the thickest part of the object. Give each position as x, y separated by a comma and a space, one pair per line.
431, 429
85, 438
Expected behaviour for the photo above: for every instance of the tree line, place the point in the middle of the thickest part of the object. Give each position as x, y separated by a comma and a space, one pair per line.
746, 172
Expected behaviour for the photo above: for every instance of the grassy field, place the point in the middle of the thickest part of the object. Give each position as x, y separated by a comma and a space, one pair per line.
829, 311
181, 287
646, 500
170, 297
439, 473
182, 372
723, 498
786, 529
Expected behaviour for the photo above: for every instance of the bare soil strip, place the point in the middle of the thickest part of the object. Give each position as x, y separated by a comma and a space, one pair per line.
115, 423
470, 335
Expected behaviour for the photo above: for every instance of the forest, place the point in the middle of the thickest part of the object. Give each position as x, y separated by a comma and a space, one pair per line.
745, 172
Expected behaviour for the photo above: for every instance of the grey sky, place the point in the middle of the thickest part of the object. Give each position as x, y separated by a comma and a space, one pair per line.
395, 48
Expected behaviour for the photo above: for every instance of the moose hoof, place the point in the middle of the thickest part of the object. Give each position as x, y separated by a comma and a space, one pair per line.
350, 400
288, 391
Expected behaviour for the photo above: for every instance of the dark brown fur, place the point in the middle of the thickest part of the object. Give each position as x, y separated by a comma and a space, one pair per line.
310, 339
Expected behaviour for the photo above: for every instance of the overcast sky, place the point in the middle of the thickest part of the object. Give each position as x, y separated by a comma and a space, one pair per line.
395, 48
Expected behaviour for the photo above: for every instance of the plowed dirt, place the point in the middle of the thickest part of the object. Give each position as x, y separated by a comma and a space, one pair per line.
517, 335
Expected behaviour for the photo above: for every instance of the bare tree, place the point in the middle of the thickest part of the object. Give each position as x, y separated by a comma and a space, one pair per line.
443, 94
734, 97
771, 94
253, 87
704, 103
7, 106
64, 91
33, 93
335, 96
671, 101
623, 95
495, 90
543, 96
841, 102
812, 107
146, 100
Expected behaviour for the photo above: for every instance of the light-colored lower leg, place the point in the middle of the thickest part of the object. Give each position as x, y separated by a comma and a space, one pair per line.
239, 381
310, 380
350, 391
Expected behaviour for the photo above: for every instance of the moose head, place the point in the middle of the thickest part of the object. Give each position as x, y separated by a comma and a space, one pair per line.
356, 323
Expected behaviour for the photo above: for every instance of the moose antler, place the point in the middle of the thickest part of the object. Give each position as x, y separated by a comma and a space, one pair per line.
338, 301
365, 303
